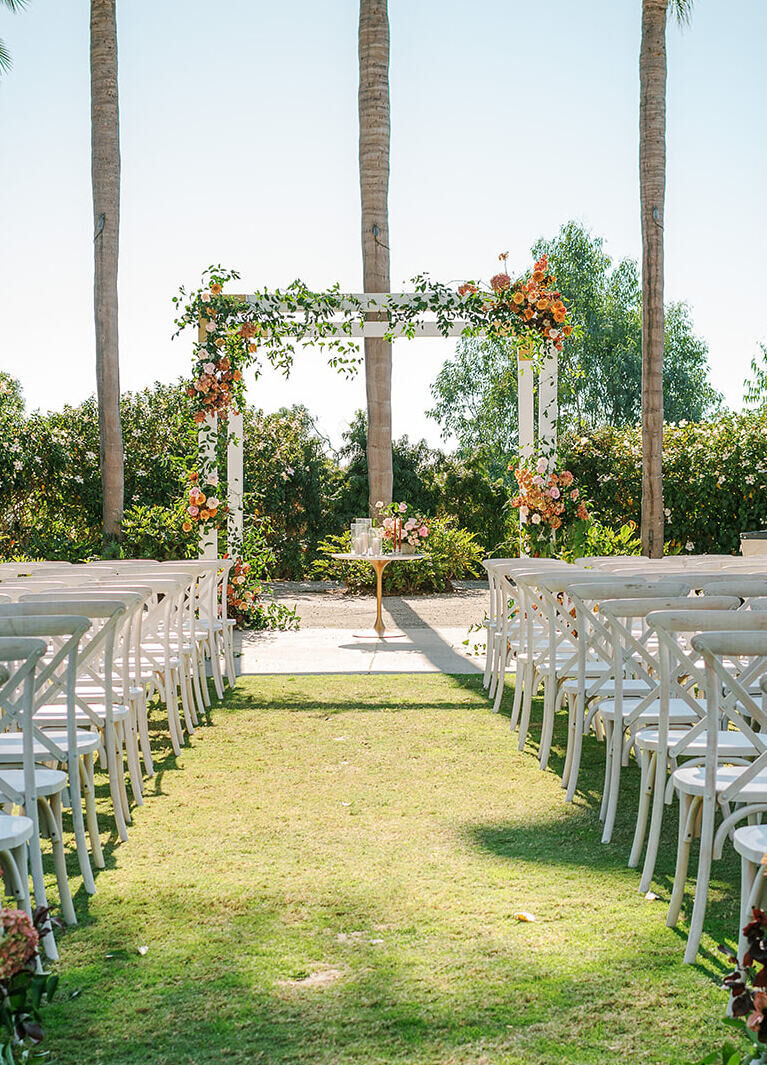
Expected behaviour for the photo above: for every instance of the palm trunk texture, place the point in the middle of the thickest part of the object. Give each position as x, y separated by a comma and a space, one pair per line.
105, 172
374, 193
652, 183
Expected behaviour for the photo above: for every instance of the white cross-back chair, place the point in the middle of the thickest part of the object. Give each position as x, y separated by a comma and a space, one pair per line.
33, 788
19, 834
720, 783
592, 678
681, 681
67, 747
96, 709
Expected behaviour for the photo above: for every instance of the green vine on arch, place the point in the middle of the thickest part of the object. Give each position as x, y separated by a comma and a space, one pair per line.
236, 332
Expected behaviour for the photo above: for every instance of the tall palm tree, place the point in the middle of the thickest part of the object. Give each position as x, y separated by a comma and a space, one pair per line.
5, 56
374, 194
105, 175
652, 192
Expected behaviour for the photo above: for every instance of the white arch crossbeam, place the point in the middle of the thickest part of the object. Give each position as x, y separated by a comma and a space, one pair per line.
427, 326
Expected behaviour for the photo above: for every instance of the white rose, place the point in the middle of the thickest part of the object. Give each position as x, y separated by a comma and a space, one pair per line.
536, 519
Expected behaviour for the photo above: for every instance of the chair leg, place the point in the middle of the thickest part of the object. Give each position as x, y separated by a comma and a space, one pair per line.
231, 672
550, 701
91, 817
14, 864
608, 768
76, 800
171, 705
656, 822
130, 735
518, 689
614, 783
645, 793
142, 717
575, 759
702, 881
116, 783
530, 680
215, 666
53, 816
38, 886
184, 690
687, 814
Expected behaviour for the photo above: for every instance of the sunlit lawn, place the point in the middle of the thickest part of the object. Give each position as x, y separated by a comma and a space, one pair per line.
329, 875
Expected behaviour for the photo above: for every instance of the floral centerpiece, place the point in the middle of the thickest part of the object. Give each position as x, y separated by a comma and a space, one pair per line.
404, 533
550, 507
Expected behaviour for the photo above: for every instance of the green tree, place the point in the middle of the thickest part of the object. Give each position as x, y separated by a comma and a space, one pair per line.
755, 386
600, 375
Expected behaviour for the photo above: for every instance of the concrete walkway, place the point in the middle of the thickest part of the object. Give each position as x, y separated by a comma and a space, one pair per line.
336, 633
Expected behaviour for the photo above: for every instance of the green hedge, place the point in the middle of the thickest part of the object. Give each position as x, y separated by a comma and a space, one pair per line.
714, 477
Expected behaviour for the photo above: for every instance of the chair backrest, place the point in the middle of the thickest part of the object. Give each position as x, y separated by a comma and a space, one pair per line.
731, 659
58, 672
95, 661
747, 586
20, 656
635, 652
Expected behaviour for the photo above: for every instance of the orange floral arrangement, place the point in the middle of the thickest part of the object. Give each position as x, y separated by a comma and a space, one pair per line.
547, 502
531, 301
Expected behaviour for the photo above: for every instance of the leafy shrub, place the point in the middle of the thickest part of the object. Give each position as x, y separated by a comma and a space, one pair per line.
715, 478
452, 554
155, 532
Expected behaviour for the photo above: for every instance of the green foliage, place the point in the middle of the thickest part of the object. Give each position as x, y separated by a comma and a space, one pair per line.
451, 553
715, 478
155, 532
603, 540
430, 481
755, 387
289, 480
600, 368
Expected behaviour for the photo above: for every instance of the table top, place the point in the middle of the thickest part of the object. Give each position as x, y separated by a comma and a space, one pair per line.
393, 557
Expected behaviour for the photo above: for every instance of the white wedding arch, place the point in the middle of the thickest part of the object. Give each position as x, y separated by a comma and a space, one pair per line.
374, 322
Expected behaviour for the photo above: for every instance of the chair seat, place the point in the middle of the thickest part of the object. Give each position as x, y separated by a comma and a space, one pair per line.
692, 781
14, 830
56, 716
47, 781
679, 712
731, 743
750, 841
11, 745
631, 686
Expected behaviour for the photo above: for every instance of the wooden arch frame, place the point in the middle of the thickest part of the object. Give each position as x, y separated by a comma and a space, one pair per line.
376, 324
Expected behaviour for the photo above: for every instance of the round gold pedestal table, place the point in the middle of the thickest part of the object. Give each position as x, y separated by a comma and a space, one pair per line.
379, 564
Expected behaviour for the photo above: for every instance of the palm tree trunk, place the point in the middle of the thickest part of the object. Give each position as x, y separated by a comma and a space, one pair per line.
105, 173
652, 184
374, 193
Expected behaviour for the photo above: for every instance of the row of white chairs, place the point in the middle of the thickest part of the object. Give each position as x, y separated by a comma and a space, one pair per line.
83, 650
663, 662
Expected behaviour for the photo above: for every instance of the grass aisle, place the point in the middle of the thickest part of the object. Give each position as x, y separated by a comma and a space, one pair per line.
328, 876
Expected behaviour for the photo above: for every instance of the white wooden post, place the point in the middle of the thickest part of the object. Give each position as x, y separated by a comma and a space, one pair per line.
548, 410
525, 405
234, 473
206, 438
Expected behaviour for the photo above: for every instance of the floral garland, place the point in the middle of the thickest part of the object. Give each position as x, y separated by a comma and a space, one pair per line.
235, 333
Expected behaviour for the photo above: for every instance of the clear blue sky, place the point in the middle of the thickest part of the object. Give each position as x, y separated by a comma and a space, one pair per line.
239, 146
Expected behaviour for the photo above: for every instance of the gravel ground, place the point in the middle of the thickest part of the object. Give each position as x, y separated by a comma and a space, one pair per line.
325, 605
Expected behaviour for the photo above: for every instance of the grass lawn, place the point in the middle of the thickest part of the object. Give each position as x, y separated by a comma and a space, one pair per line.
327, 876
